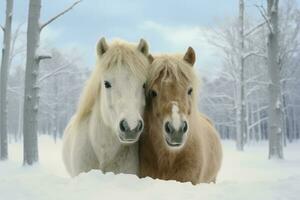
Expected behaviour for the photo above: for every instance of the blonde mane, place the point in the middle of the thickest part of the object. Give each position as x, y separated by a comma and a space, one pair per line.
119, 54
177, 67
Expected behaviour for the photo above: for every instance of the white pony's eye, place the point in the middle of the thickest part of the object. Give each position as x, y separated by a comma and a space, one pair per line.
144, 85
107, 84
190, 91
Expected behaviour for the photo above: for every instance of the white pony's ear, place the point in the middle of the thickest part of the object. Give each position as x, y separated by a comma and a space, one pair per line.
102, 47
143, 47
190, 56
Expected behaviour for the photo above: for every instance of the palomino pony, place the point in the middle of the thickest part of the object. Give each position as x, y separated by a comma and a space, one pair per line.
104, 131
178, 143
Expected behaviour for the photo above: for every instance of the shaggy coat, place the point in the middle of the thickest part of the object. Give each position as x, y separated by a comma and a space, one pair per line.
199, 159
90, 139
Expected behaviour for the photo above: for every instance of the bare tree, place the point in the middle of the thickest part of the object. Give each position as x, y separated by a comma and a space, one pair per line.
241, 104
275, 108
221, 96
64, 70
3, 78
289, 47
275, 119
31, 93
61, 80
238, 46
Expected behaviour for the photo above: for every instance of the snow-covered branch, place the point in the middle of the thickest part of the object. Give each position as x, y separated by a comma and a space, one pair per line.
222, 96
230, 124
59, 14
253, 89
260, 82
14, 90
257, 122
260, 109
256, 77
43, 57
287, 79
2, 27
266, 18
53, 72
14, 41
254, 53
227, 76
252, 30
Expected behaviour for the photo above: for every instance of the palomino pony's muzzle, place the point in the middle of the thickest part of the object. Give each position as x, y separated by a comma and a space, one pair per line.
130, 135
175, 137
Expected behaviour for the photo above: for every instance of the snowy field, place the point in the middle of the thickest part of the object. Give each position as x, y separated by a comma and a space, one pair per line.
247, 175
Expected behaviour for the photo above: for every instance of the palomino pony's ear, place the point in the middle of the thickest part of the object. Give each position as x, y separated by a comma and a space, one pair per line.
150, 58
143, 47
190, 56
101, 47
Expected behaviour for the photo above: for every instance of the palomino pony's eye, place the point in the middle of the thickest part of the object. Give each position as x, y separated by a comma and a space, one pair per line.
190, 91
107, 84
152, 93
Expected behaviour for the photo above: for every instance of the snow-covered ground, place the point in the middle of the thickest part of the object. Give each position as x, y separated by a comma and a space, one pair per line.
247, 175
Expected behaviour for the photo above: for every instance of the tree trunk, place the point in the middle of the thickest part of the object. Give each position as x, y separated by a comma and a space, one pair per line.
258, 117
241, 113
56, 111
3, 79
284, 117
20, 117
31, 98
275, 119
31, 92
294, 129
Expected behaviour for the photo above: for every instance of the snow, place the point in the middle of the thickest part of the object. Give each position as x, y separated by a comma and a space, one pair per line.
244, 175
42, 52
278, 104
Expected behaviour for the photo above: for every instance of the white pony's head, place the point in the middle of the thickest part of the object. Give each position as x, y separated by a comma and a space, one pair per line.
123, 71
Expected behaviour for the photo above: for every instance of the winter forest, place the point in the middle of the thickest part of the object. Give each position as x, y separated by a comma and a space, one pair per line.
248, 58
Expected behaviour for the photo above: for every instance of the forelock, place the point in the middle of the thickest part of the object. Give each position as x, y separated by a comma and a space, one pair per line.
169, 68
123, 54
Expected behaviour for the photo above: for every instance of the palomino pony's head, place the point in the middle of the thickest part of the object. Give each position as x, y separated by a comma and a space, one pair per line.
117, 87
171, 96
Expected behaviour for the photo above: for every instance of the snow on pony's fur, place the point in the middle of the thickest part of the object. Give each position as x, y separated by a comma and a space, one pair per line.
178, 142
94, 137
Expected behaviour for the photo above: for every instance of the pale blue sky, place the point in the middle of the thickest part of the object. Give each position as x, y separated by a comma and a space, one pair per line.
168, 25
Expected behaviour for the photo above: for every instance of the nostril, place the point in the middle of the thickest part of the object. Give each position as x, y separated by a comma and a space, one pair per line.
140, 126
124, 126
184, 127
169, 128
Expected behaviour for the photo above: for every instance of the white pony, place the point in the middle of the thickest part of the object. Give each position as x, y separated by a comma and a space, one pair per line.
104, 131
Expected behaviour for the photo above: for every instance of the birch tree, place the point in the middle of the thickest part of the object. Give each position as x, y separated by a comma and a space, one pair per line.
3, 78
243, 55
236, 43
275, 114
289, 48
221, 96
241, 112
275, 106
31, 91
